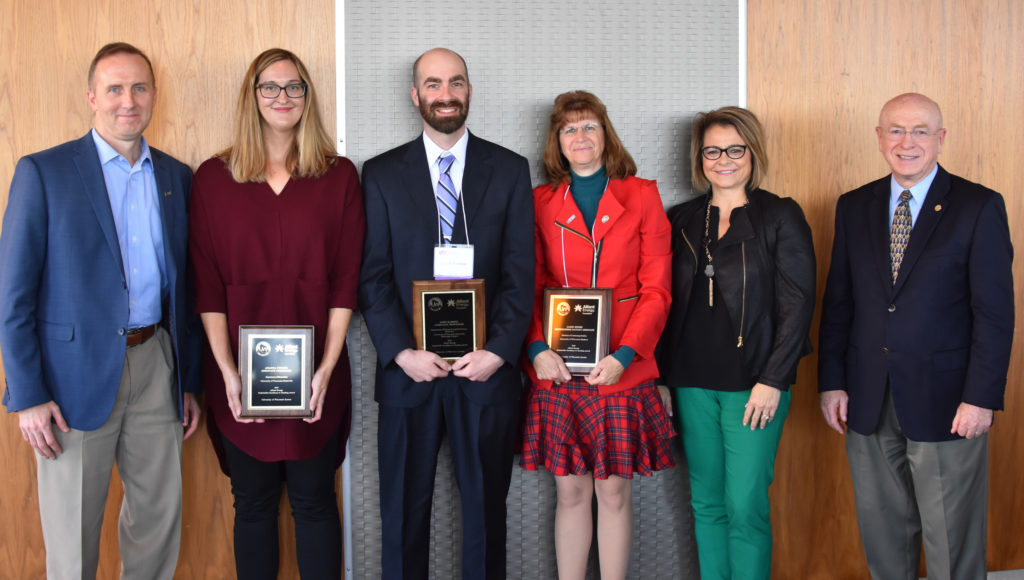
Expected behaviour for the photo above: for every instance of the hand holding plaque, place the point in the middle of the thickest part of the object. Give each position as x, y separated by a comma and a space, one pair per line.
448, 316
577, 325
275, 364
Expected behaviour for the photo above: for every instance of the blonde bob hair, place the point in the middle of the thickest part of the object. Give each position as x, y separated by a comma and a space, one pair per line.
571, 107
750, 130
312, 151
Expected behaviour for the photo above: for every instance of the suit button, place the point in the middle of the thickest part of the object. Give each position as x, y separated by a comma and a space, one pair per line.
892, 308
885, 350
120, 331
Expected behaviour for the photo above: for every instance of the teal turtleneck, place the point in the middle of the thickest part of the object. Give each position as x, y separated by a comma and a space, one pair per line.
587, 192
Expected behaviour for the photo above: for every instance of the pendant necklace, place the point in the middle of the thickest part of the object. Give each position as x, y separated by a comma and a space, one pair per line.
709, 270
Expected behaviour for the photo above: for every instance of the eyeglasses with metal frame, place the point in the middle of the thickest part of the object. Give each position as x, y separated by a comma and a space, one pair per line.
585, 128
917, 134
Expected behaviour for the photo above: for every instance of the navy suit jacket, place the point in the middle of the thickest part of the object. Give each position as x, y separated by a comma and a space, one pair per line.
401, 226
938, 337
63, 294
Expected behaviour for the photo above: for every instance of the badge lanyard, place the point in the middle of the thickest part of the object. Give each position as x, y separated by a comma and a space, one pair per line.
453, 261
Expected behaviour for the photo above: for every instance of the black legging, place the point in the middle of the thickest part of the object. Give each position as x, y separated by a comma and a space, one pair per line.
256, 486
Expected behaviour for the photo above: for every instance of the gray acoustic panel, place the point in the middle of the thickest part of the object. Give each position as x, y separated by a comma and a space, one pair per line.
654, 64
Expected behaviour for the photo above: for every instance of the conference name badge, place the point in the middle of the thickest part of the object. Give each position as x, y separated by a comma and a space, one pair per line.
453, 261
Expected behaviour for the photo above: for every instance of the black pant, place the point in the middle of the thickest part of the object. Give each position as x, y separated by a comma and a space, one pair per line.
256, 486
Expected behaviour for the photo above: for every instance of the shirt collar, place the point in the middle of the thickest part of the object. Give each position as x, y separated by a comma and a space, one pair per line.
108, 153
458, 150
919, 190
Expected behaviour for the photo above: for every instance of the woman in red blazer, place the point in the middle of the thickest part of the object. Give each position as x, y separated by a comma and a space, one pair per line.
598, 226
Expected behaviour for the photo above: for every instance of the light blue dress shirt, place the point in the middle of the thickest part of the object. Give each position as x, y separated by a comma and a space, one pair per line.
919, 190
133, 201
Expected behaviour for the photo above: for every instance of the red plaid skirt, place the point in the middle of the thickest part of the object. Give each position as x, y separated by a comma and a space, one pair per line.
572, 430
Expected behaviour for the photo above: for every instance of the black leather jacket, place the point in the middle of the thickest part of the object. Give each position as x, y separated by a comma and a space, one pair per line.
766, 273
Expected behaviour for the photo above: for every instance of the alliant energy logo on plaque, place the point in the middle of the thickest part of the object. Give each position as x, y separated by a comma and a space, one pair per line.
276, 367
448, 316
577, 325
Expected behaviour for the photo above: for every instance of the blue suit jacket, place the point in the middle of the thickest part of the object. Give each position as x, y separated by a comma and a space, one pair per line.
401, 231
938, 337
63, 294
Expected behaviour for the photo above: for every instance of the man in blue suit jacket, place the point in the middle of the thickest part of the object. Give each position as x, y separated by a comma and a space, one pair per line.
914, 349
97, 334
475, 399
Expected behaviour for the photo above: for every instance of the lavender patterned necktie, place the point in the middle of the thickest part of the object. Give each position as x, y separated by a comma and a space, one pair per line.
447, 199
900, 233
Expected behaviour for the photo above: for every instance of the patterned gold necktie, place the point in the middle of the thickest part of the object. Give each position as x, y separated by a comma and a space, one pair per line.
900, 233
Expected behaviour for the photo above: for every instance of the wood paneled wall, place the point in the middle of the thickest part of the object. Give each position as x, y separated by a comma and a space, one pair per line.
819, 71
200, 50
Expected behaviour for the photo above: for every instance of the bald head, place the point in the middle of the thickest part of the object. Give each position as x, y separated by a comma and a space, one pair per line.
433, 54
916, 101
910, 137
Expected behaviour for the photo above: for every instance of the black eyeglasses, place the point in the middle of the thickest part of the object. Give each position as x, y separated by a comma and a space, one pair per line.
271, 91
712, 153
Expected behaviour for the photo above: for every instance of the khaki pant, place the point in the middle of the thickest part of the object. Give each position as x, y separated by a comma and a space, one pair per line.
143, 434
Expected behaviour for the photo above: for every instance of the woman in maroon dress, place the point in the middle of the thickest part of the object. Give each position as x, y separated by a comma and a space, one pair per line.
276, 237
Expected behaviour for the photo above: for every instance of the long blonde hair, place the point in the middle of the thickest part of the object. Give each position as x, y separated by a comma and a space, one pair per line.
312, 151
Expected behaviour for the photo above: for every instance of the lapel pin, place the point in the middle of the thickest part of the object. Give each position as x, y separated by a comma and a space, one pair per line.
938, 207
604, 219
167, 194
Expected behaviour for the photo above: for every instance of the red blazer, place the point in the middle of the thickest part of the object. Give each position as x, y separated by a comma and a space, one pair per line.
633, 237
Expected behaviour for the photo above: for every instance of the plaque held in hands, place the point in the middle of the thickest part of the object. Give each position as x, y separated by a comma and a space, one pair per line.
577, 325
276, 367
448, 316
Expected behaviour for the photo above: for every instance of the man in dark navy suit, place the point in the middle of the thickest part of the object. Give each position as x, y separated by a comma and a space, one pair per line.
99, 342
916, 328
446, 189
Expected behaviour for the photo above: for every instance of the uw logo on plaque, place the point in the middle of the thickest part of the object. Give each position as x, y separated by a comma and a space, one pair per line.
263, 348
563, 308
435, 304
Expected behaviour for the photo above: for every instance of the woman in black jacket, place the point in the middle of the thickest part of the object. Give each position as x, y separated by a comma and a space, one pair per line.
742, 300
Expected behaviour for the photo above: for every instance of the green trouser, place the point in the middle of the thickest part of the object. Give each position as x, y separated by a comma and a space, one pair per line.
731, 468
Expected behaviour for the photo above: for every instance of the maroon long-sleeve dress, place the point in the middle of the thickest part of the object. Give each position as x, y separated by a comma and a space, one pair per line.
263, 258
